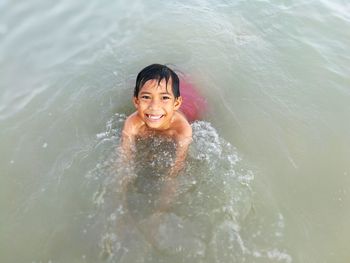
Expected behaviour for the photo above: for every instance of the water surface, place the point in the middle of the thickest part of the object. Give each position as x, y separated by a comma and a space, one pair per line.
267, 178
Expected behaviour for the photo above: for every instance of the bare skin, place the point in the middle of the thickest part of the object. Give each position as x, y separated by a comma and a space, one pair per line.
157, 112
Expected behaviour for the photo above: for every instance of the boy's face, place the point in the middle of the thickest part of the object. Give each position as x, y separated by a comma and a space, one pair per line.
156, 104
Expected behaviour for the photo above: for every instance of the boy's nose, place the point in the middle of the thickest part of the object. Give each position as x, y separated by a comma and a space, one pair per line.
154, 105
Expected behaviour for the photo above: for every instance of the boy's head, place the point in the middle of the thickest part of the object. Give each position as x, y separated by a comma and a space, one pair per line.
157, 96
158, 72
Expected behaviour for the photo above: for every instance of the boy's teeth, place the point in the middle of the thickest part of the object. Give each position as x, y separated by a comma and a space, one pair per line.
155, 117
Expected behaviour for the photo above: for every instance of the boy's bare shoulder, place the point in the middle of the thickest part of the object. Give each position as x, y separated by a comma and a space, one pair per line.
182, 127
132, 124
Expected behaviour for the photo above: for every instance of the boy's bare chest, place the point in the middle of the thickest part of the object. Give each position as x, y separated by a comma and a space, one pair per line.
145, 132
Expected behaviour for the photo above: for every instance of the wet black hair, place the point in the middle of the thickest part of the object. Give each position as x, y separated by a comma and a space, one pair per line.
158, 72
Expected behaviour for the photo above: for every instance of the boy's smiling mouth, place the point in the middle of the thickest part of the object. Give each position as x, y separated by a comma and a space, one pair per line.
154, 117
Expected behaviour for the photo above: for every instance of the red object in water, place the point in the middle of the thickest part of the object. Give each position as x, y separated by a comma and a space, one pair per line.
194, 105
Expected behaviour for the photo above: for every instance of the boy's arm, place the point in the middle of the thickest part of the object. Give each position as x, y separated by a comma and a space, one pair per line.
170, 186
183, 141
181, 154
126, 153
127, 146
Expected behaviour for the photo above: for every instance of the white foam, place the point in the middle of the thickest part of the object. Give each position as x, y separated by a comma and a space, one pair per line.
279, 256
101, 135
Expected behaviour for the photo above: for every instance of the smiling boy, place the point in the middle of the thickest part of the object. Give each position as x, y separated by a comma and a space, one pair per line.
157, 101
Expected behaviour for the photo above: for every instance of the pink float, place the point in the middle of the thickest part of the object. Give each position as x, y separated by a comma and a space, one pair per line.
194, 105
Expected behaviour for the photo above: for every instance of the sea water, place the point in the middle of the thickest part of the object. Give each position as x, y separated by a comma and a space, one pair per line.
267, 174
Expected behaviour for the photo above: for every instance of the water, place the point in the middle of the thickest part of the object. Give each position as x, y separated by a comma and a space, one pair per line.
267, 178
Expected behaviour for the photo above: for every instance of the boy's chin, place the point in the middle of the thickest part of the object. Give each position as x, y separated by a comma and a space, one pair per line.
159, 125
154, 126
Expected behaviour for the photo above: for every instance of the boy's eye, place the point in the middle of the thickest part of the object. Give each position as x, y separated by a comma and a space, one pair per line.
145, 97
166, 98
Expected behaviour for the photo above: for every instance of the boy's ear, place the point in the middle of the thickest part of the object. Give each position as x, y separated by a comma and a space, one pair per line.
178, 102
136, 102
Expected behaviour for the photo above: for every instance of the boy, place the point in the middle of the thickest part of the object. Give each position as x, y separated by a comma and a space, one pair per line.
157, 101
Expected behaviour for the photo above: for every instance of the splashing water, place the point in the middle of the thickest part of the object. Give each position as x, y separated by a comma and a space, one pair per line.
207, 217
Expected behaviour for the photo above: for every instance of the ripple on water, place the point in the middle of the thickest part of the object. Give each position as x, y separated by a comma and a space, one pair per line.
207, 215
